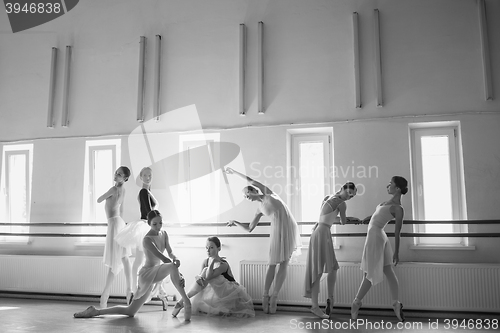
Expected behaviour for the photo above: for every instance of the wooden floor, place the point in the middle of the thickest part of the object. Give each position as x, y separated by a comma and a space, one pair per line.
56, 316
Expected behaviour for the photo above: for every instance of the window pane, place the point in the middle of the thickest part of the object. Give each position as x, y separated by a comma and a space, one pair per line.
103, 179
437, 182
312, 179
18, 206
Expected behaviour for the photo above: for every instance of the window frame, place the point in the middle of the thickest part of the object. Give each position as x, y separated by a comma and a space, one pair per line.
452, 131
7, 152
295, 138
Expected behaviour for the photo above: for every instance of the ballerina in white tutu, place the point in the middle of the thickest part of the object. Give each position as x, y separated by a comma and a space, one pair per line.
156, 268
133, 234
215, 291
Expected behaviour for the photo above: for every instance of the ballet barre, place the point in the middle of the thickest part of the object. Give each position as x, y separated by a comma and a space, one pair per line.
249, 235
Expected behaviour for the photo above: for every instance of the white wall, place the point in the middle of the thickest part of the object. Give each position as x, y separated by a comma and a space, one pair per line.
431, 65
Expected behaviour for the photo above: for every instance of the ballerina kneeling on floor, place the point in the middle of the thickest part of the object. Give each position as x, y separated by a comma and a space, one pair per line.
156, 268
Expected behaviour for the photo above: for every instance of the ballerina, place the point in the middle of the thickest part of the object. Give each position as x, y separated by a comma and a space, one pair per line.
285, 235
378, 256
156, 268
215, 290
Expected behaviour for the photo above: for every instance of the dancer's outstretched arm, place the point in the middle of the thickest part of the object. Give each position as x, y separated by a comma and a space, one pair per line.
263, 188
247, 226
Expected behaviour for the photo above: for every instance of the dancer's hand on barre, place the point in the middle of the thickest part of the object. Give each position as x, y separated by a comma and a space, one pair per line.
351, 219
366, 220
229, 171
231, 223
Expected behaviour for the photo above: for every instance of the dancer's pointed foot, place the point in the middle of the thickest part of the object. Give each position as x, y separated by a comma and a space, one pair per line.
317, 311
329, 307
103, 303
398, 309
90, 312
273, 304
177, 308
356, 305
164, 302
265, 303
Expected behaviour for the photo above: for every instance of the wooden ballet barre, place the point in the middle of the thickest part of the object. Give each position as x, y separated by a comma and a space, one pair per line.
223, 224
247, 235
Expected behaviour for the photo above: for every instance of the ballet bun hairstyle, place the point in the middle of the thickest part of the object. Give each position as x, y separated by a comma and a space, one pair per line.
214, 240
350, 186
401, 183
250, 188
126, 172
152, 214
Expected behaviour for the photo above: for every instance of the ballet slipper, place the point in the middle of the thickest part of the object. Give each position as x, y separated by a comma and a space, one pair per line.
329, 307
265, 303
163, 299
187, 313
178, 307
89, 312
355, 306
273, 304
317, 311
398, 309
104, 301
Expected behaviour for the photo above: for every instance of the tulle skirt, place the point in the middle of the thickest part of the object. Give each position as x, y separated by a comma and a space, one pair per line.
223, 298
132, 235
114, 252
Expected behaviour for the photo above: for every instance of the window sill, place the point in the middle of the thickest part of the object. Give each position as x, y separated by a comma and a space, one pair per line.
443, 247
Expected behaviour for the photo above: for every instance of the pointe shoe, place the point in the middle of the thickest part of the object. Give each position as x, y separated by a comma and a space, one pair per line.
178, 307
187, 313
90, 312
103, 302
273, 304
329, 307
355, 306
164, 302
317, 311
398, 309
265, 304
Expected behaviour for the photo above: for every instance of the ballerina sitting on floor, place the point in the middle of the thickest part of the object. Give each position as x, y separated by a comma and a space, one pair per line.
215, 291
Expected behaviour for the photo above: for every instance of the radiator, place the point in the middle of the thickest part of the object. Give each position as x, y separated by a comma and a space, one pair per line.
57, 275
422, 286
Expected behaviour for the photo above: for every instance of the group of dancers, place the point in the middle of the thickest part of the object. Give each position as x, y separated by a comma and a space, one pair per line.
215, 291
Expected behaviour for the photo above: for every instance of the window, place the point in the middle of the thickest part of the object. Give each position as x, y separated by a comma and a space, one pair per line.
311, 179
197, 198
438, 191
17, 170
102, 157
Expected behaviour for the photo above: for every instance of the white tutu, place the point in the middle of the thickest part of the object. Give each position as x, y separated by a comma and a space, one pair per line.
222, 297
132, 235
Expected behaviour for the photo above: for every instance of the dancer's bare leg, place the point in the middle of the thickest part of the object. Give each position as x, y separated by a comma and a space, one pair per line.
105, 293
139, 258
128, 276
